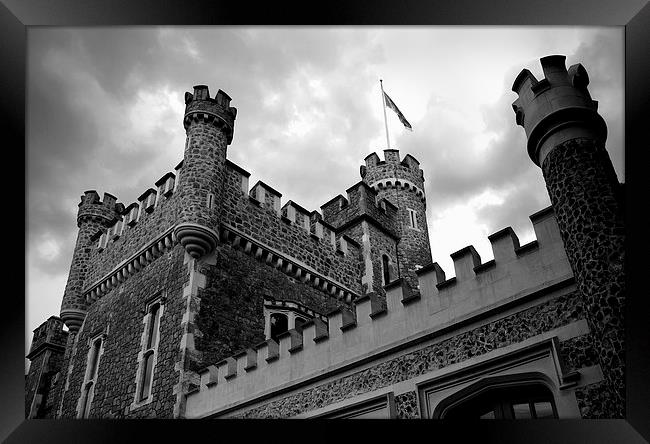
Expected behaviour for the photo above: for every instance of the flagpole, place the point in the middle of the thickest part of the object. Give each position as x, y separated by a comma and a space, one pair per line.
383, 101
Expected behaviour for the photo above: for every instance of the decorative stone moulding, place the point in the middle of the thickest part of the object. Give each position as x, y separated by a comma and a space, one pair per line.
392, 182
334, 343
73, 318
556, 108
196, 239
217, 111
132, 265
287, 265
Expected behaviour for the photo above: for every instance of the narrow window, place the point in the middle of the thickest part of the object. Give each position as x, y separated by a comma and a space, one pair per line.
413, 220
210, 200
150, 352
279, 324
386, 269
90, 378
146, 381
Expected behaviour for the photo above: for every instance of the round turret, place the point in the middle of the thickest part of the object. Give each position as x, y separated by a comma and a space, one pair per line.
209, 125
402, 183
93, 215
566, 139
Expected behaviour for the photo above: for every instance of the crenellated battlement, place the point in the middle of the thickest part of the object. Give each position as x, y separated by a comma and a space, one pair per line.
217, 111
128, 217
516, 273
361, 202
393, 172
296, 241
49, 334
104, 211
140, 233
545, 106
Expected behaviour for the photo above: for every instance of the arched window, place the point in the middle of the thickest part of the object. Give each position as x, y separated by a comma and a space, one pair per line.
385, 263
499, 398
279, 324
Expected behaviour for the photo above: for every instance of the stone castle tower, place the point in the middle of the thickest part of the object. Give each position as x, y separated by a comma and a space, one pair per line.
206, 298
402, 183
566, 139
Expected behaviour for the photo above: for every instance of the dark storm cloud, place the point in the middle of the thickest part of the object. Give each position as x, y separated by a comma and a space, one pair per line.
458, 170
85, 84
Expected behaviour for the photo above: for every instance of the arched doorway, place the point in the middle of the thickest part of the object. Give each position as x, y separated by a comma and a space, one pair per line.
524, 396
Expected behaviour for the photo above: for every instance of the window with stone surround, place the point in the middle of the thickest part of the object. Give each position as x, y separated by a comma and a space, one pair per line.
521, 401
281, 316
90, 379
149, 353
385, 265
413, 218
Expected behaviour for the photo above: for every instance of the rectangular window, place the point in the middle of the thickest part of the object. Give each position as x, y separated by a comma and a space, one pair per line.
149, 353
102, 241
169, 186
90, 379
413, 219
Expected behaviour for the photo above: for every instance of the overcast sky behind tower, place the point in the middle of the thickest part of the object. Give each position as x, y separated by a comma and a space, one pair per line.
105, 108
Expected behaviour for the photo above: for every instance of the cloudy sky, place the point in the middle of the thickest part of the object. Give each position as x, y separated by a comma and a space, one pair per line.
105, 109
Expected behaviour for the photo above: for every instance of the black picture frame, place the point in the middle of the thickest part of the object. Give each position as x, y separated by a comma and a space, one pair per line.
16, 16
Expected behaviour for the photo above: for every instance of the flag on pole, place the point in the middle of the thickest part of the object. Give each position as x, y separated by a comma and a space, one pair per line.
389, 103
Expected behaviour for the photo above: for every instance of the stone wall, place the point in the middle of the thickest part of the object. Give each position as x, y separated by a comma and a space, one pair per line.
231, 315
477, 341
120, 315
148, 227
261, 222
583, 188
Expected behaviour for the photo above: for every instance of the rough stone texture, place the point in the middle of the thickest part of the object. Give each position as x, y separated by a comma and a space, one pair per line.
265, 225
148, 227
578, 353
406, 405
120, 314
92, 217
231, 315
596, 401
203, 173
414, 249
227, 314
500, 333
583, 188
361, 201
46, 355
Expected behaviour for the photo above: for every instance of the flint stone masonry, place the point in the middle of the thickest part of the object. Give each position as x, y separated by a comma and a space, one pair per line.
512, 329
566, 138
580, 181
407, 406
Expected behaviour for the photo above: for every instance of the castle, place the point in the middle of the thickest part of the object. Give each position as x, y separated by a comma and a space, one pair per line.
205, 299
